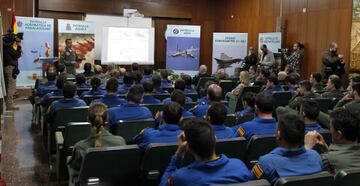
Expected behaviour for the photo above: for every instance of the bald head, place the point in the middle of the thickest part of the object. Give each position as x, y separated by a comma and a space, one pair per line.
333, 47
214, 93
203, 69
98, 69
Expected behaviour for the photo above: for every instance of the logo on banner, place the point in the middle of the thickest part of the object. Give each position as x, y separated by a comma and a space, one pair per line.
19, 23
176, 31
68, 27
261, 39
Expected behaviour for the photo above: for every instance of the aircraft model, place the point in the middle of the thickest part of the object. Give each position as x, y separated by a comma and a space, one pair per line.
225, 61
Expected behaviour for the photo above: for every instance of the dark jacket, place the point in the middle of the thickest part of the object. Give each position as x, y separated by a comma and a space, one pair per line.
11, 55
250, 60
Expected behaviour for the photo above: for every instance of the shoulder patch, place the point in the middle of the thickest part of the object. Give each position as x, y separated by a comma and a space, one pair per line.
196, 106
257, 171
157, 115
241, 132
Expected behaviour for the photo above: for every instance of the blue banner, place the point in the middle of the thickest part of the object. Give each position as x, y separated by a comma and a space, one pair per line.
38, 42
183, 47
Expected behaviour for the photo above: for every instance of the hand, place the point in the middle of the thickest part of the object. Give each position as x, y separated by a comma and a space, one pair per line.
311, 139
341, 56
183, 146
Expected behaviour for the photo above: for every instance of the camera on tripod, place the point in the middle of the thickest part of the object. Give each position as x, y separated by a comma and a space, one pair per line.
10, 38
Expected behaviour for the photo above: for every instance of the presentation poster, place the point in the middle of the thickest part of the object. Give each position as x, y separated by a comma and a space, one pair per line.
228, 51
273, 42
183, 47
38, 42
82, 34
355, 38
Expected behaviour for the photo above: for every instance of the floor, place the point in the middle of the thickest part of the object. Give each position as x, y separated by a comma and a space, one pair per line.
23, 158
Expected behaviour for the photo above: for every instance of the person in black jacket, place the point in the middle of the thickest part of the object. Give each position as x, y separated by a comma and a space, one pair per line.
202, 73
250, 59
12, 52
333, 62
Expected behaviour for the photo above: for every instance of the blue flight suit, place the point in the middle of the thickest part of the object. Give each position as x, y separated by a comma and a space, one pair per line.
203, 99
111, 100
121, 79
93, 93
200, 109
189, 90
292, 90
84, 85
47, 85
282, 162
148, 99
159, 115
257, 126
128, 112
123, 89
222, 131
313, 127
160, 91
45, 99
277, 88
166, 133
145, 78
245, 112
62, 104
168, 100
166, 83
221, 171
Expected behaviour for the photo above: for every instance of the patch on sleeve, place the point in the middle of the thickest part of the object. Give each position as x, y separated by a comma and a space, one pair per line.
241, 132
157, 115
196, 106
257, 171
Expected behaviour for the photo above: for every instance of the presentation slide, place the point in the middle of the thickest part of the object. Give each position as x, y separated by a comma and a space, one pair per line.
124, 46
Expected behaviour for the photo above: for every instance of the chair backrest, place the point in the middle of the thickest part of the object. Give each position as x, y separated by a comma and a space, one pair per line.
161, 96
79, 91
169, 89
203, 81
324, 103
230, 120
261, 182
193, 96
48, 90
89, 98
323, 178
65, 116
254, 89
129, 129
327, 136
282, 98
227, 86
244, 118
154, 108
112, 165
76, 131
347, 177
190, 105
259, 145
232, 148
52, 99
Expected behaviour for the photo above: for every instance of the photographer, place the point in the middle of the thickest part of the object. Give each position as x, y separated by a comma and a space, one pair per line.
12, 52
294, 59
333, 62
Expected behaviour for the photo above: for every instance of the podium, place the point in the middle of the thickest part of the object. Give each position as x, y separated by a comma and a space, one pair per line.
46, 63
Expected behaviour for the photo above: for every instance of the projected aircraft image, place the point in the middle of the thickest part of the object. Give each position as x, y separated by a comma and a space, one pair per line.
185, 53
226, 61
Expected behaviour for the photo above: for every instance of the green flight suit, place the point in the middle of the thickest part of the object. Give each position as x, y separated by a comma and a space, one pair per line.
297, 100
69, 59
333, 94
341, 156
316, 87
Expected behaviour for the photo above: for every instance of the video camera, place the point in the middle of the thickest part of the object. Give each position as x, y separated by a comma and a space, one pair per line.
10, 37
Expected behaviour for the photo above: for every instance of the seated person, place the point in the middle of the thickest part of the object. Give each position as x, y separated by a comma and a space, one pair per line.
95, 90
100, 137
148, 93
303, 92
188, 84
132, 110
272, 85
252, 73
167, 132
333, 87
61, 68
87, 70
351, 101
157, 85
281, 77
290, 158
309, 112
353, 80
262, 78
244, 82
214, 94
50, 84
216, 115
80, 81
264, 123
138, 77
147, 74
120, 78
208, 169
110, 99
179, 85
221, 74
291, 81
128, 83
59, 85
165, 82
69, 101
315, 80
202, 73
99, 73
177, 96
248, 101
344, 152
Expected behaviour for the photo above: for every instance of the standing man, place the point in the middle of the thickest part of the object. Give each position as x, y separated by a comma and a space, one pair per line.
12, 52
333, 62
69, 57
267, 59
294, 59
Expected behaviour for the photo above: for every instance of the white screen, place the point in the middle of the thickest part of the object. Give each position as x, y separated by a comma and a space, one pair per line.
124, 46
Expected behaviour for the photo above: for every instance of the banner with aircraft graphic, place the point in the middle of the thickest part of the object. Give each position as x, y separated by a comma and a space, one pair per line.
38, 43
183, 47
228, 51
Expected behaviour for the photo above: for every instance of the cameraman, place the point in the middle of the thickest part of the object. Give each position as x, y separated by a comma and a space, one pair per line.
333, 62
294, 59
12, 52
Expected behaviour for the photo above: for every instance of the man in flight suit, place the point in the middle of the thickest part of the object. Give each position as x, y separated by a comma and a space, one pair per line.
69, 57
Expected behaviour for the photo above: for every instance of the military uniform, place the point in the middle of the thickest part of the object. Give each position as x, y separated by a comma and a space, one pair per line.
62, 104
341, 156
83, 85
93, 93
43, 86
166, 133
111, 100
257, 126
189, 90
148, 99
221, 171
222, 131
245, 112
145, 78
333, 94
160, 91
123, 89
283, 162
200, 109
353, 105
45, 99
297, 100
317, 87
159, 115
168, 100
166, 83
277, 88
128, 112
313, 127
69, 58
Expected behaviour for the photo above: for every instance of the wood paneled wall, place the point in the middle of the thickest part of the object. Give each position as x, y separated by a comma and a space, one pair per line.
21, 7
315, 23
